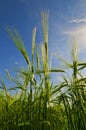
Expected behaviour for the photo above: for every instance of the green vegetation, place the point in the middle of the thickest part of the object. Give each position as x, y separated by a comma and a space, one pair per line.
38, 104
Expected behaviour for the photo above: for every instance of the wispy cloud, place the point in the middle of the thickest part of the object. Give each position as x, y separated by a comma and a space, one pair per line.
82, 20
80, 34
76, 31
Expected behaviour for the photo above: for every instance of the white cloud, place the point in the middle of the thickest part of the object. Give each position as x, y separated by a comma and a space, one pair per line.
82, 20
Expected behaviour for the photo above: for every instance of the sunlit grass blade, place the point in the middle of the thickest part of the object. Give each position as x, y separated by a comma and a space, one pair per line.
45, 17
33, 43
8, 75
45, 20
38, 61
14, 35
52, 70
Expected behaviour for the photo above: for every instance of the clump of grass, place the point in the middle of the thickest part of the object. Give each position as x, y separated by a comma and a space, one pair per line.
39, 104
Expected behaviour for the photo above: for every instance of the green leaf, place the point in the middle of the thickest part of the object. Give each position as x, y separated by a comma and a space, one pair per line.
24, 123
45, 122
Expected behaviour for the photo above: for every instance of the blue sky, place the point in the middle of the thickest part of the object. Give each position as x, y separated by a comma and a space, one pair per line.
67, 19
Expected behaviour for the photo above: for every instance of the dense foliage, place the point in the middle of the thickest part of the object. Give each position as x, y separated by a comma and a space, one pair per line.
38, 104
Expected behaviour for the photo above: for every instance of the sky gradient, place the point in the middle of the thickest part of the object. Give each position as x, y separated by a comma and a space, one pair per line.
67, 20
